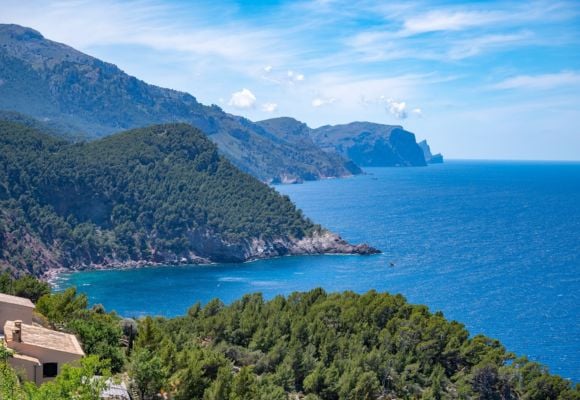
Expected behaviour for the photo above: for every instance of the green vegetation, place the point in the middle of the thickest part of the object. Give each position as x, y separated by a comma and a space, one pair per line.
73, 382
157, 194
80, 96
25, 286
338, 346
315, 345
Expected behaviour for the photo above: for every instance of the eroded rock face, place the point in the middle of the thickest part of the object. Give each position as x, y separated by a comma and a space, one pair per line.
371, 145
210, 247
429, 157
329, 243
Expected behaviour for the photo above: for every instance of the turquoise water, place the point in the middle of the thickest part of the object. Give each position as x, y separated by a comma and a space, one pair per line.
495, 245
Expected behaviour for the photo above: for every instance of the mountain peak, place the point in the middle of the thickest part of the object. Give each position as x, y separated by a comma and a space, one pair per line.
18, 32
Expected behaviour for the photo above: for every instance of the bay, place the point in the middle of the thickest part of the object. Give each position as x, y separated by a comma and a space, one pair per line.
494, 245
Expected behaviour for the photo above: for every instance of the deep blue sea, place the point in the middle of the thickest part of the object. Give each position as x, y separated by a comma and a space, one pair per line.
494, 245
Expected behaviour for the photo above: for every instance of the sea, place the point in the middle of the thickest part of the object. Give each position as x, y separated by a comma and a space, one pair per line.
494, 245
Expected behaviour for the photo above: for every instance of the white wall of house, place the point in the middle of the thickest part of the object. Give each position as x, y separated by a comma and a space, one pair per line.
44, 356
27, 367
13, 312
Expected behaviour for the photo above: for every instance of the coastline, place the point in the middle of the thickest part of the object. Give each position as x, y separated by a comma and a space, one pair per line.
53, 275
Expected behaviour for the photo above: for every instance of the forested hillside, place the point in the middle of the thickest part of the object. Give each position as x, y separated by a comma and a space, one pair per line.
161, 194
312, 345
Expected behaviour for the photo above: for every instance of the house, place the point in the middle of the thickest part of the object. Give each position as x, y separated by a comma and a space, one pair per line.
15, 308
39, 353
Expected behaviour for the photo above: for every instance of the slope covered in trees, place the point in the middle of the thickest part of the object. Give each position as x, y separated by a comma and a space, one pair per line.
76, 93
312, 345
159, 194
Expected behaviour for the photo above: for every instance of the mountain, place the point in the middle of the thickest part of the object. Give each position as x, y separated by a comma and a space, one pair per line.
371, 145
160, 194
82, 96
363, 143
299, 135
430, 158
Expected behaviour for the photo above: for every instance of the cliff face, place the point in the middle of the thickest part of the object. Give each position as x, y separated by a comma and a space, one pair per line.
210, 248
206, 247
81, 96
371, 145
430, 158
156, 195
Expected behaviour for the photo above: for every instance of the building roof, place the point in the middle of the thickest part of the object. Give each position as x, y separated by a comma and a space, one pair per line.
46, 338
32, 360
21, 301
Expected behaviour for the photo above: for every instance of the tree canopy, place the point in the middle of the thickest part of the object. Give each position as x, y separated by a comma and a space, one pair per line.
156, 194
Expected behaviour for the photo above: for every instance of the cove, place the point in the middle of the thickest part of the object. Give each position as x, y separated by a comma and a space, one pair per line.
494, 245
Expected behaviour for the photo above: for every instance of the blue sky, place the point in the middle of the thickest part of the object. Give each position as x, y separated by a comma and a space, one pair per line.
492, 80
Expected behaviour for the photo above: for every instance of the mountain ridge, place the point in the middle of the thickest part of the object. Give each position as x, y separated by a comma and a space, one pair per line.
366, 144
53, 82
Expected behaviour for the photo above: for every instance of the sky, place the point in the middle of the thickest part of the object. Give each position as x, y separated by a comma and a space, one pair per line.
478, 80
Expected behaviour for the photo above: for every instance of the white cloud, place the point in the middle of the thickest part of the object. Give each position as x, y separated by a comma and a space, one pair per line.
477, 45
268, 69
545, 81
153, 24
269, 107
319, 101
397, 108
417, 112
294, 77
448, 21
243, 99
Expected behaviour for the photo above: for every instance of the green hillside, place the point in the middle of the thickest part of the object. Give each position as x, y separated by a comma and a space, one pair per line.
157, 194
312, 346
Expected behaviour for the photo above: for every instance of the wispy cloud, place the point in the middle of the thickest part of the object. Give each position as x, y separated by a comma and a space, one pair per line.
450, 33
269, 107
322, 101
441, 20
476, 45
148, 23
544, 81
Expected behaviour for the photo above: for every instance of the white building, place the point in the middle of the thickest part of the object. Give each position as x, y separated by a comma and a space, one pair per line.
38, 353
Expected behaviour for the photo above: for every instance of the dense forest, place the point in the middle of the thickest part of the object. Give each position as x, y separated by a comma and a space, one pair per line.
157, 194
311, 345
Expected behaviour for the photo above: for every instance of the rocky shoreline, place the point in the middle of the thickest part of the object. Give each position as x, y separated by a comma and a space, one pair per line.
211, 250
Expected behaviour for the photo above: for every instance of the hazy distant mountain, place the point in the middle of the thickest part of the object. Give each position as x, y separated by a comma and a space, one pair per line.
371, 145
430, 158
79, 94
300, 136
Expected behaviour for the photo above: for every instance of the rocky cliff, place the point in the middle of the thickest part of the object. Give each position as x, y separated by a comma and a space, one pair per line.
299, 135
429, 157
371, 145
